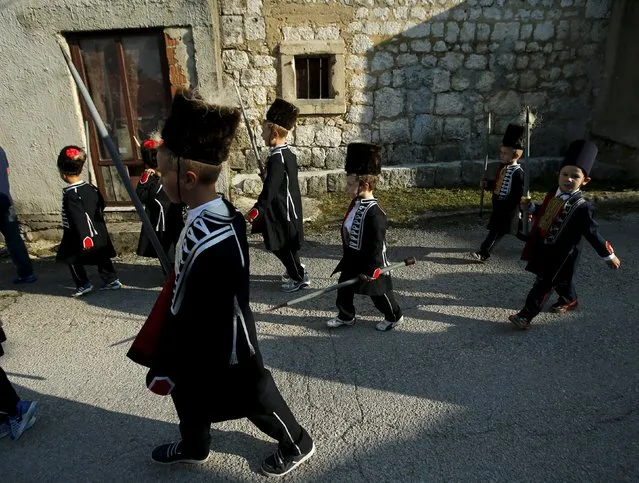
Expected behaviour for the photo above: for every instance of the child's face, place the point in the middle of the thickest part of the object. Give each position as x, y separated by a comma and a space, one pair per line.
352, 185
267, 133
508, 155
571, 178
168, 176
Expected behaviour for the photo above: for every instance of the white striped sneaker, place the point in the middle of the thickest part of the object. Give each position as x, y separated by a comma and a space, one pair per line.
385, 325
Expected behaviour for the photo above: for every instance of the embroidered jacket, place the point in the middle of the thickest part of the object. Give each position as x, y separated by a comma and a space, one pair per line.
210, 325
278, 210
555, 238
85, 237
507, 189
166, 217
364, 244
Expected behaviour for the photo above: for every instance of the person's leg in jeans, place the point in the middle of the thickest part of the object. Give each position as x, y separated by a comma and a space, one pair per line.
10, 228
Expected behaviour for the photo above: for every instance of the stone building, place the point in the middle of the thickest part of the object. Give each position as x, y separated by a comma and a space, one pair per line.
417, 76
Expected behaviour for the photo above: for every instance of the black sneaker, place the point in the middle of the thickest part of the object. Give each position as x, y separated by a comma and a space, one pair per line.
478, 257
279, 464
171, 453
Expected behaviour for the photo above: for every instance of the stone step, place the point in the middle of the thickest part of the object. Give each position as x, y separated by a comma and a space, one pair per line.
428, 175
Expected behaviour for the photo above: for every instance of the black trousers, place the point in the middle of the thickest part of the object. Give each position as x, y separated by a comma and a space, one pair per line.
291, 261
271, 415
385, 303
542, 288
8, 396
492, 239
105, 269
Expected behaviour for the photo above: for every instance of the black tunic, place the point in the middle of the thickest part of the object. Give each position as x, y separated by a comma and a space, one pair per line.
365, 247
553, 252
507, 188
209, 341
279, 205
166, 217
85, 238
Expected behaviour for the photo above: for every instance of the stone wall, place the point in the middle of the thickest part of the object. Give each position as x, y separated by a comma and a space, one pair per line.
421, 76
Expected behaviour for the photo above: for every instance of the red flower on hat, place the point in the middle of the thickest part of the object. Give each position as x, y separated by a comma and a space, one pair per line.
152, 144
72, 153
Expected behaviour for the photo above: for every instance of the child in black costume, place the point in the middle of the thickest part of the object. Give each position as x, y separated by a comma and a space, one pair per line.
166, 217
85, 239
207, 356
507, 189
364, 242
554, 245
278, 211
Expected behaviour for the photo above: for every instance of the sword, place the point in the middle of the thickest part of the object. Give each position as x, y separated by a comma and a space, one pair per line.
483, 188
251, 135
407, 262
524, 221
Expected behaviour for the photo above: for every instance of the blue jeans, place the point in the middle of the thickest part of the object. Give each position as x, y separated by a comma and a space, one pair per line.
10, 228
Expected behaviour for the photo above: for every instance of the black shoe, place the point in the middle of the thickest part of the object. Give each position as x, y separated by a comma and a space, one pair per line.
561, 307
520, 321
279, 464
171, 453
478, 257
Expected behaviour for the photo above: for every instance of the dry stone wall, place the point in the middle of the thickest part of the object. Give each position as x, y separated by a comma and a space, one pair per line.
421, 76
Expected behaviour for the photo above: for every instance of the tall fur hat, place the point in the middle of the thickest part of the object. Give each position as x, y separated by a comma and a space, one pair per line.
582, 154
198, 130
514, 137
283, 114
363, 158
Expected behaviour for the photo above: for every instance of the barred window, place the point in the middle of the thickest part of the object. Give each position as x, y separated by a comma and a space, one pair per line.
312, 75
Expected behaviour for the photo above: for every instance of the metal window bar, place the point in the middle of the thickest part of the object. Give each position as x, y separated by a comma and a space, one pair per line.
320, 77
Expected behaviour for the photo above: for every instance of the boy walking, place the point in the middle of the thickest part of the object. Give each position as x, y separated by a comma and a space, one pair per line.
85, 239
507, 189
165, 216
207, 356
364, 242
554, 245
278, 211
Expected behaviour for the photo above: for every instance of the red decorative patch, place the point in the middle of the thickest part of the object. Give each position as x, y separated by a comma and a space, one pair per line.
72, 153
376, 274
145, 177
161, 385
152, 144
87, 243
253, 214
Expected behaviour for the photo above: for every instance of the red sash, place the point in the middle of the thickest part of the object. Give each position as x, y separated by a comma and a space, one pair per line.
534, 236
143, 351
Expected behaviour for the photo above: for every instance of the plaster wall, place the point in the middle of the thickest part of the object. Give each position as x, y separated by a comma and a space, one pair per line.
39, 105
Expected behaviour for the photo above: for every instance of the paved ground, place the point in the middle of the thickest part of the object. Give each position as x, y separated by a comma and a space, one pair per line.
455, 394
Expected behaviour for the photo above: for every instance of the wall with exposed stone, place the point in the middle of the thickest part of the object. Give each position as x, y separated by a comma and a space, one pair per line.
421, 76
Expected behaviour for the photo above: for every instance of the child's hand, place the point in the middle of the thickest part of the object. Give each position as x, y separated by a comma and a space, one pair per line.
614, 262
251, 215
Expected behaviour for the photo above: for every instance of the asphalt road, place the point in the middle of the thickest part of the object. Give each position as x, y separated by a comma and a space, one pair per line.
454, 394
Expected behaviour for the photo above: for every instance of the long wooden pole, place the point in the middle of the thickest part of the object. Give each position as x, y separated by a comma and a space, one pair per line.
115, 157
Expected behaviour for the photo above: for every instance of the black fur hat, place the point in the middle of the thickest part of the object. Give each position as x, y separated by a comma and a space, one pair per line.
363, 158
582, 154
199, 131
514, 137
283, 114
